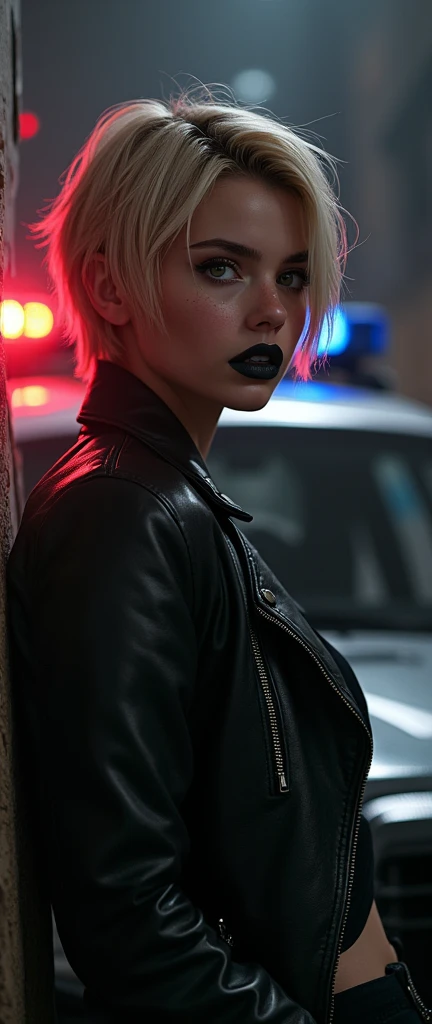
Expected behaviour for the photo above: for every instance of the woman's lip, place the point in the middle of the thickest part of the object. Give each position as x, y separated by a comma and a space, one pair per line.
256, 371
273, 352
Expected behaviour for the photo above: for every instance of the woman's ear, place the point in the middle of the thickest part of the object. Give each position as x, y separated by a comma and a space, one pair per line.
103, 293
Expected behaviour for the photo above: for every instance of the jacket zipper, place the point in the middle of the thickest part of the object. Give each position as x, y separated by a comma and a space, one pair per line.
408, 986
265, 686
268, 697
278, 750
423, 1010
271, 618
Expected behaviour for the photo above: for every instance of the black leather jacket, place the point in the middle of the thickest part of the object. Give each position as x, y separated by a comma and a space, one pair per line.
197, 756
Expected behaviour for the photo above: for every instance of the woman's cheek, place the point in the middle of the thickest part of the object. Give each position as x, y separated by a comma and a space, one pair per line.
205, 311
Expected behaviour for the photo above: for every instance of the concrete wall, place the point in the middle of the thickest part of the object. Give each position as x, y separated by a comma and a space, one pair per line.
26, 989
390, 87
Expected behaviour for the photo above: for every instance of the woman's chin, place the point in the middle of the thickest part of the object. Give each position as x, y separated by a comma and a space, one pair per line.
251, 398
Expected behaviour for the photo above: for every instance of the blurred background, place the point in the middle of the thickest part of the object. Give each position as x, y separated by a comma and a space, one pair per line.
342, 498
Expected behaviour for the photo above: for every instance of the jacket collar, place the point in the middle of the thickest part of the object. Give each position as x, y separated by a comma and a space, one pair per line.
120, 399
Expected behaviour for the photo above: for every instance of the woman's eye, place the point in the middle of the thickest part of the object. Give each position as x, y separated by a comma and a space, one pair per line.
219, 266
216, 270
297, 279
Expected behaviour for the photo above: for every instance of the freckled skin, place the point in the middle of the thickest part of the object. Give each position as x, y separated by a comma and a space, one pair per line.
208, 322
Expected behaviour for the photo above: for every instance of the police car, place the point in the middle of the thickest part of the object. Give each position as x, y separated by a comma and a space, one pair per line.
338, 479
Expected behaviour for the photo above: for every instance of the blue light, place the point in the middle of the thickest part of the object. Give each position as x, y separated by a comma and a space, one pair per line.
336, 342
369, 327
359, 329
314, 391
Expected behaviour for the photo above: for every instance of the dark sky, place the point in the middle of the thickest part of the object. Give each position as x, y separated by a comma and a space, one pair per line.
81, 56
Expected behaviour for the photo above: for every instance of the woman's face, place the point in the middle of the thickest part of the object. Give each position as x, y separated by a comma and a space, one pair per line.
232, 301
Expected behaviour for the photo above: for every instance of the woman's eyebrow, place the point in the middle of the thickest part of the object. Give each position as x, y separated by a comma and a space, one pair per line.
245, 250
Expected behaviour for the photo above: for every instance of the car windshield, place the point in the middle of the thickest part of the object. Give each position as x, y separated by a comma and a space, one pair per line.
344, 518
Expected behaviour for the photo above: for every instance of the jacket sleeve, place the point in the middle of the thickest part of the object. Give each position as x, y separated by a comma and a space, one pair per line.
115, 655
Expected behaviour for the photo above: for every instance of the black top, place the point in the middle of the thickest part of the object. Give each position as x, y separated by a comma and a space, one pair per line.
362, 893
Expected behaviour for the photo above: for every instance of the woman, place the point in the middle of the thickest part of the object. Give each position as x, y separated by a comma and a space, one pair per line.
202, 752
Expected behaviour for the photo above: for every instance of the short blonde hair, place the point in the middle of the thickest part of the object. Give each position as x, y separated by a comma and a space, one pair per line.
136, 183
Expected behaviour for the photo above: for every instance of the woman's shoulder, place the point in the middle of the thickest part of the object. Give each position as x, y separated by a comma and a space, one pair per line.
120, 473
118, 503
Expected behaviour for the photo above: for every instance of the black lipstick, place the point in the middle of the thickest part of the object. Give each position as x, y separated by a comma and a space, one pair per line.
259, 370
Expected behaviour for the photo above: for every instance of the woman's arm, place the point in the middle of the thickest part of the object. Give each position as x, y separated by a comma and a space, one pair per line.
112, 635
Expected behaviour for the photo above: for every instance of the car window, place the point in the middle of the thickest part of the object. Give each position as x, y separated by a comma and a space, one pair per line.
344, 518
285, 515
410, 516
38, 455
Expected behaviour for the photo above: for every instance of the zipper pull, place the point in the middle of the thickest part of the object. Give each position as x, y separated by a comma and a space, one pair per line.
224, 933
283, 785
404, 978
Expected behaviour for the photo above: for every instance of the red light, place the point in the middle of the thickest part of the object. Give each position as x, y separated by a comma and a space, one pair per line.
12, 319
44, 396
29, 125
38, 320
20, 319
30, 396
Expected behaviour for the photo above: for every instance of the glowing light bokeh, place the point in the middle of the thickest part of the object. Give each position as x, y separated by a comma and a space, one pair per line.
35, 399
31, 320
12, 318
336, 342
254, 85
39, 320
30, 396
339, 339
29, 125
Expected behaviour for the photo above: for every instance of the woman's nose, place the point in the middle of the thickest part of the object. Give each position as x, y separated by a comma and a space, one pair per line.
271, 314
